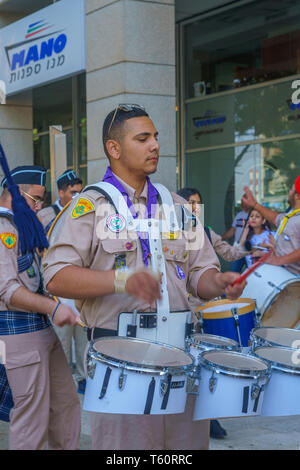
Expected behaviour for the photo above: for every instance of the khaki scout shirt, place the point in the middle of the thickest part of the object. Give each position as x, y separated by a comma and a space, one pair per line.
46, 215
10, 279
79, 243
225, 250
289, 240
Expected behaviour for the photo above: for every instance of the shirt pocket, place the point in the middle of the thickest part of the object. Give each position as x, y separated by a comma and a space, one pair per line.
175, 250
119, 253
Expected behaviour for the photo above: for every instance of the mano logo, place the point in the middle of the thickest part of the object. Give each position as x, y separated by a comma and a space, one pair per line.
40, 51
36, 28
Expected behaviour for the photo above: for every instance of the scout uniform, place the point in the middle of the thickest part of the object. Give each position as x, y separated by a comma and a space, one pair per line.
67, 332
288, 233
82, 242
46, 407
48, 214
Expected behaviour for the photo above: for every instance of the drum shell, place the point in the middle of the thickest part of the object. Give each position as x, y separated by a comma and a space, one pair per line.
281, 397
220, 321
131, 379
132, 399
276, 292
228, 398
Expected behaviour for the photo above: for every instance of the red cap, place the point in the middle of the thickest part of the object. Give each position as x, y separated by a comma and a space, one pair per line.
297, 184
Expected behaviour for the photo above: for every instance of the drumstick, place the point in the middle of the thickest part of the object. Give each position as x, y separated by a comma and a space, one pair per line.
79, 322
251, 269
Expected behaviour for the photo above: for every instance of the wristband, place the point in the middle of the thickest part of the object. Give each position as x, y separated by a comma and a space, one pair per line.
121, 276
54, 312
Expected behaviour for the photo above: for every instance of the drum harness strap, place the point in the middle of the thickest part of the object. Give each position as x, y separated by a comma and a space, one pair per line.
154, 228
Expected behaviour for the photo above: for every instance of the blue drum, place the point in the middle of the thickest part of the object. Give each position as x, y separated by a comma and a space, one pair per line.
230, 318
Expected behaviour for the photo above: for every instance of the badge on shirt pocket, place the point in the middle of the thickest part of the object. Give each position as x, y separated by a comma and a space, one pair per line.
120, 261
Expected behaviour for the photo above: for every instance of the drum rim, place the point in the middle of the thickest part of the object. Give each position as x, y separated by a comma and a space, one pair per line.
235, 346
136, 367
238, 373
278, 365
250, 307
272, 343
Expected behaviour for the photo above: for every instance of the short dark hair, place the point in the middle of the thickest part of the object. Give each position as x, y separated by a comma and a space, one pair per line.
114, 131
64, 186
186, 193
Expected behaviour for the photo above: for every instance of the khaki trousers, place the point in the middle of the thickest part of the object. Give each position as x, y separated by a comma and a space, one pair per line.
151, 432
46, 405
68, 333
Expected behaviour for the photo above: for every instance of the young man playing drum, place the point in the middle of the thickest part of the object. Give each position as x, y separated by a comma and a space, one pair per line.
111, 275
287, 237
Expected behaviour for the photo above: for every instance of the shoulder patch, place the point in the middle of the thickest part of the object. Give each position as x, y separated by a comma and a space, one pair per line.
8, 239
83, 206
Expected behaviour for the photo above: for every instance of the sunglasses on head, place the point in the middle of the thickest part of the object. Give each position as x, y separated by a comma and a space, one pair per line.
124, 107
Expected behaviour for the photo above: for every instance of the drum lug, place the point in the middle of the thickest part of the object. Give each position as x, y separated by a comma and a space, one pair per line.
163, 387
212, 383
255, 390
191, 379
91, 367
122, 380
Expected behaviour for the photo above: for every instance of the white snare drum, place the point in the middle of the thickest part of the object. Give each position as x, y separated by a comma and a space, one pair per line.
272, 336
282, 393
277, 294
231, 384
134, 376
199, 342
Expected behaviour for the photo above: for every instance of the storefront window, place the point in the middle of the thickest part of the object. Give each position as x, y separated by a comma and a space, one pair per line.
61, 103
220, 175
242, 46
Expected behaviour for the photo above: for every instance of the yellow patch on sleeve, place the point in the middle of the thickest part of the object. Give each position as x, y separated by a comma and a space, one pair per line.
83, 206
8, 239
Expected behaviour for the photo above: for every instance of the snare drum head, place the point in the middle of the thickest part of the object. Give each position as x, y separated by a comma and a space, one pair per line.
279, 336
234, 361
281, 357
146, 354
215, 340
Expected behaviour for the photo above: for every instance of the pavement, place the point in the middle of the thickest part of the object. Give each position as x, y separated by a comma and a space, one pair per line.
252, 433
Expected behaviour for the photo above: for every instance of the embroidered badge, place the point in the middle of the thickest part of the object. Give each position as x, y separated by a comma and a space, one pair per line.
180, 272
83, 206
31, 272
8, 239
115, 223
120, 262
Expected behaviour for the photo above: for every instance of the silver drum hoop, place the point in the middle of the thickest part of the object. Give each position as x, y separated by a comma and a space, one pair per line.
276, 364
232, 371
141, 368
207, 345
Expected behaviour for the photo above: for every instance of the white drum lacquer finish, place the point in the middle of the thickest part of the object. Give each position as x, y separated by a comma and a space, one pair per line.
134, 376
281, 397
231, 384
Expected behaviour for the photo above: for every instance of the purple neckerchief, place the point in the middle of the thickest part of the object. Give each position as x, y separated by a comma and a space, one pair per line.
109, 177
